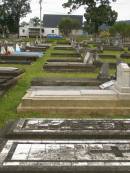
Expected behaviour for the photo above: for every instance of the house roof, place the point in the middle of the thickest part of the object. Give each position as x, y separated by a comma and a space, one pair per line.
53, 20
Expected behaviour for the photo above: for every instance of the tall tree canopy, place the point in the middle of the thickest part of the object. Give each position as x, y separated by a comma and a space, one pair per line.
15, 10
73, 4
67, 25
98, 12
96, 16
121, 28
36, 21
3, 19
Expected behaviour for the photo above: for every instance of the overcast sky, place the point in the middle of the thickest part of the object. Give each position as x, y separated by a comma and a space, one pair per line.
55, 7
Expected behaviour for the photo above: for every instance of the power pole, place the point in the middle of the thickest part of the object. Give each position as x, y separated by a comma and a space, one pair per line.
40, 2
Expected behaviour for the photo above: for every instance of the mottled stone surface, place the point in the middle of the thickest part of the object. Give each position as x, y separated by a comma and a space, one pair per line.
71, 128
8, 77
113, 48
75, 156
66, 81
68, 100
65, 54
69, 67
123, 78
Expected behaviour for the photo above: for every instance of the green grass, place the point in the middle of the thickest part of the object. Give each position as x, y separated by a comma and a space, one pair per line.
12, 98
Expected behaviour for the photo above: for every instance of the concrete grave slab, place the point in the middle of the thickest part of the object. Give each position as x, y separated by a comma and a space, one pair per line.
74, 100
69, 129
113, 48
69, 67
66, 82
80, 100
64, 47
65, 54
10, 71
60, 156
66, 59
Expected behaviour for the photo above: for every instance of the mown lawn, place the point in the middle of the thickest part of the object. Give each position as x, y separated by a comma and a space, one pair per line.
12, 98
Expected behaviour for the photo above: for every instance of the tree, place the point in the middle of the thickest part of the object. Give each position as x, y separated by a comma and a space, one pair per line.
74, 4
16, 9
98, 12
121, 28
96, 16
36, 21
3, 20
24, 24
67, 25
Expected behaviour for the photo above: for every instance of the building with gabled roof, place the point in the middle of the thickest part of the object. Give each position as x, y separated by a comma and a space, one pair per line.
50, 26
52, 21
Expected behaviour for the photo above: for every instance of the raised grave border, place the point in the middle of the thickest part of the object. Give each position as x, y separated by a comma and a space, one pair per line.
67, 82
67, 156
65, 54
69, 129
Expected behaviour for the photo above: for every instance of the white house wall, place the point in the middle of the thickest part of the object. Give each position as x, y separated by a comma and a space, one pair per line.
49, 31
77, 32
25, 33
46, 31
57, 32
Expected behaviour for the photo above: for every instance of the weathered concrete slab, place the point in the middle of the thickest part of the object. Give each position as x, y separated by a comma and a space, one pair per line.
80, 100
69, 67
64, 47
113, 48
18, 57
15, 62
69, 129
74, 101
66, 82
10, 71
125, 55
103, 56
36, 48
65, 156
8, 77
65, 54
6, 83
65, 59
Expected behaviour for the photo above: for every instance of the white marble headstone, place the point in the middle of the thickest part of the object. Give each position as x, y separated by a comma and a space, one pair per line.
87, 56
123, 78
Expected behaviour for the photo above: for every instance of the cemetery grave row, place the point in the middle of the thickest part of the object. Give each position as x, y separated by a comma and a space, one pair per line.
24, 54
65, 99
74, 146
